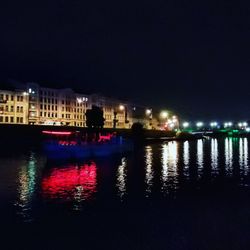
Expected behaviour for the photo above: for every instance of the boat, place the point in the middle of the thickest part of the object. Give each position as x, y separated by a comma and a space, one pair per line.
72, 147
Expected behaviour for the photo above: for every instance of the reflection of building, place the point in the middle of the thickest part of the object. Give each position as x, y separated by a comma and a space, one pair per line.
32, 104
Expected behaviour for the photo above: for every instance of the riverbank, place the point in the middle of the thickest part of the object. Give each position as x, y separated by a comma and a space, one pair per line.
33, 133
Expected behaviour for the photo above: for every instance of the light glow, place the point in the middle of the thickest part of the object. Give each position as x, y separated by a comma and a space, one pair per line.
199, 124
213, 124
148, 111
121, 107
164, 114
56, 132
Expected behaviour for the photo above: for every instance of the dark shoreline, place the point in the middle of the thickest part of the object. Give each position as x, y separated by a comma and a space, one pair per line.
11, 135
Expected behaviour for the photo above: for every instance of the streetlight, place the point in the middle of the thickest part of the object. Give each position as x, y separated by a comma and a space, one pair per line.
148, 112
213, 124
164, 114
228, 124
199, 124
185, 124
121, 107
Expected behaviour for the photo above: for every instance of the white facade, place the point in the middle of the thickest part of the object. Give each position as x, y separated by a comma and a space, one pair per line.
46, 106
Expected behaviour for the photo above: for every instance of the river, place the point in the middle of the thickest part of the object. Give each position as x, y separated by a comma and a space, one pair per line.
170, 195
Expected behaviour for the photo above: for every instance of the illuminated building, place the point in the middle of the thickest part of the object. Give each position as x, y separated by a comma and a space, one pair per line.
32, 104
13, 107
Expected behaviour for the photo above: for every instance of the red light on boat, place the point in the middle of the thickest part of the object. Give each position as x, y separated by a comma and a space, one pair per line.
56, 132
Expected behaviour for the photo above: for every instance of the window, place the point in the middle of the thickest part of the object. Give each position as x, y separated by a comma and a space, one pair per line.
11, 119
6, 119
17, 109
12, 109
48, 107
1, 96
41, 113
52, 107
21, 119
7, 97
45, 107
1, 119
62, 115
41, 106
56, 115
17, 119
12, 98
48, 114
6, 108
56, 108
21, 109
62, 101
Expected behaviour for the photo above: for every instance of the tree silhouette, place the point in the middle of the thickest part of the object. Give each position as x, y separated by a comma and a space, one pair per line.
94, 117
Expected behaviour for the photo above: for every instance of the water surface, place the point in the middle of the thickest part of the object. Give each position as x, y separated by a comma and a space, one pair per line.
173, 195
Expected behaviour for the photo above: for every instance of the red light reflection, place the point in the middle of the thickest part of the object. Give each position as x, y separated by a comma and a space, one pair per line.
71, 183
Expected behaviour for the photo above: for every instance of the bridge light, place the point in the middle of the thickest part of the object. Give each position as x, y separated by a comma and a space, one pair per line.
199, 124
213, 124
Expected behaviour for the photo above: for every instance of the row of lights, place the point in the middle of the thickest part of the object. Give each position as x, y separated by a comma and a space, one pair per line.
215, 124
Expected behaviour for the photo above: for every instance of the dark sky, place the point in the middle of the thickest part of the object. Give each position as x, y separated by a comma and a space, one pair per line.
188, 56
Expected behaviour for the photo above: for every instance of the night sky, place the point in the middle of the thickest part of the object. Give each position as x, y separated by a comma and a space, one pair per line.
188, 56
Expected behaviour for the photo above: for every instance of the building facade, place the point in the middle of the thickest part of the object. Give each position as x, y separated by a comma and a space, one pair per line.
32, 104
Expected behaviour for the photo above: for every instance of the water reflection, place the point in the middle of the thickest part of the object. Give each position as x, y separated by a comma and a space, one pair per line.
26, 188
200, 157
228, 155
149, 169
186, 158
73, 183
169, 166
122, 178
243, 155
214, 156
